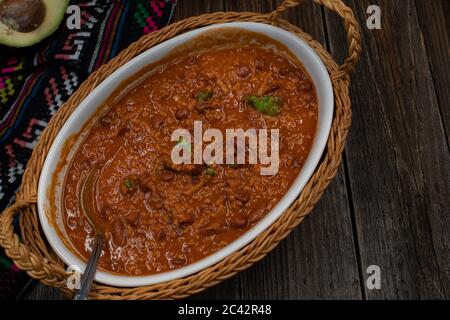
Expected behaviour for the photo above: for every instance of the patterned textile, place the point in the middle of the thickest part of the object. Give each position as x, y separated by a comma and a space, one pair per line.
36, 81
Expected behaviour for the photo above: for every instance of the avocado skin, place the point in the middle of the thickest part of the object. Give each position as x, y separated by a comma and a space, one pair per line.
54, 14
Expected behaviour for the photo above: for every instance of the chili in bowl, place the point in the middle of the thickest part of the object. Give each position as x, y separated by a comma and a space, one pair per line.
163, 219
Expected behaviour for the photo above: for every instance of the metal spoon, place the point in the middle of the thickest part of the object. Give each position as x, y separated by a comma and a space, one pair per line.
88, 208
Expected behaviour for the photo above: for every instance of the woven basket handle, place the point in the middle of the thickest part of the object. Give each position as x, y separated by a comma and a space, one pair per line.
19, 204
8, 239
351, 27
7, 216
23, 257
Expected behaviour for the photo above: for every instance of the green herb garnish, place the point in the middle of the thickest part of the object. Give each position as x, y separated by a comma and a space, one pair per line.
210, 171
204, 95
268, 105
129, 184
184, 144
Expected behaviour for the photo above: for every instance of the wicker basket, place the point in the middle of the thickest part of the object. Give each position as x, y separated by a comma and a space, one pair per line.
30, 250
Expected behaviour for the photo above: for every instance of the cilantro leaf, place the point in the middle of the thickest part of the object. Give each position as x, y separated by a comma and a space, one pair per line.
204, 95
268, 105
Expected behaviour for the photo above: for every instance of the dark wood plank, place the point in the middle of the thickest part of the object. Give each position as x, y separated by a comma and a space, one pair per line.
316, 261
38, 291
435, 25
398, 160
190, 8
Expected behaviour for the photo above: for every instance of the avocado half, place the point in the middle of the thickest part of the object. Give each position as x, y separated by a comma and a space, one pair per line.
26, 22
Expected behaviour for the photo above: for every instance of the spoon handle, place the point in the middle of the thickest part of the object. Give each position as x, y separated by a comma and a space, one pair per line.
91, 268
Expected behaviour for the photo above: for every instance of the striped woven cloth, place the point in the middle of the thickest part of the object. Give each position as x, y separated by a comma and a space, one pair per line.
36, 81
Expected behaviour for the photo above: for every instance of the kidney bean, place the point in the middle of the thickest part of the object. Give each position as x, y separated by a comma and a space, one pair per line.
272, 88
160, 96
203, 106
179, 260
243, 71
168, 175
238, 222
157, 121
242, 195
106, 122
284, 72
158, 233
146, 184
181, 114
133, 218
197, 169
118, 232
184, 218
210, 229
304, 87
123, 129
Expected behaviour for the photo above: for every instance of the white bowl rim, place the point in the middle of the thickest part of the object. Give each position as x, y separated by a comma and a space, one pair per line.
322, 82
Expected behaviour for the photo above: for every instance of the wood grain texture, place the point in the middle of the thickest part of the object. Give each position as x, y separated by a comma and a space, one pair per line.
397, 157
38, 291
316, 261
435, 26
389, 203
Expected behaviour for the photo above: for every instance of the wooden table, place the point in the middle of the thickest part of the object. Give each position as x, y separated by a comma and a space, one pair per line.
389, 204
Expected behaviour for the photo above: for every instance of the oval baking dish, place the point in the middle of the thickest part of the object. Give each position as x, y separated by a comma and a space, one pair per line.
89, 106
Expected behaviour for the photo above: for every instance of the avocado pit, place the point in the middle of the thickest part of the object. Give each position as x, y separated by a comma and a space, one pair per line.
22, 15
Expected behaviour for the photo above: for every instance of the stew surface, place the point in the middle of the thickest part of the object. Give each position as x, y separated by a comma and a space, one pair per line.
158, 215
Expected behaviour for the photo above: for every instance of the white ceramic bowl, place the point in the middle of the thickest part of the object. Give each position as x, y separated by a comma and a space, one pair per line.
94, 100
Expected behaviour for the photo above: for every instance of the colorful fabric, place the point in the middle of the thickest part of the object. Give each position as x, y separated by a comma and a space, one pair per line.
36, 81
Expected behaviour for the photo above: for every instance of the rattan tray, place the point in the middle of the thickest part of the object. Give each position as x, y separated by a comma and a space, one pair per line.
30, 250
